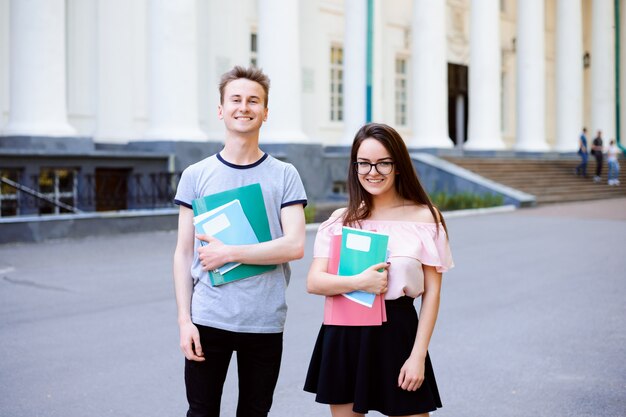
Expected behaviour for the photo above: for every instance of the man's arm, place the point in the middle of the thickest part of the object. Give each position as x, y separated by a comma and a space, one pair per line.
284, 249
183, 286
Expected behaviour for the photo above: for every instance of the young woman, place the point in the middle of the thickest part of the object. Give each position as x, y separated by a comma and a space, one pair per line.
385, 368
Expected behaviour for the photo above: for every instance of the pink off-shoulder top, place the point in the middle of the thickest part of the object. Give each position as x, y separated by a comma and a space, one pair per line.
411, 245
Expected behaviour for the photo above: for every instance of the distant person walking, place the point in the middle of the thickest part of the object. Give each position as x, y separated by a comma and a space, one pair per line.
596, 151
612, 154
583, 151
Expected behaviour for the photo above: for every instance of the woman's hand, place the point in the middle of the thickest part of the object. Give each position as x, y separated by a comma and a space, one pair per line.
372, 280
412, 373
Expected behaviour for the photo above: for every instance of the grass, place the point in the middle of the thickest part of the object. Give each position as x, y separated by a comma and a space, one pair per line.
461, 201
443, 201
309, 213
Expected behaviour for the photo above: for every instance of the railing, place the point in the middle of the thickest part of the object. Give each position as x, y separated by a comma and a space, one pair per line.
110, 191
38, 195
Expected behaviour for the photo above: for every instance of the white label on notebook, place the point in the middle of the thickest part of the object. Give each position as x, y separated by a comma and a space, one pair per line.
358, 242
216, 225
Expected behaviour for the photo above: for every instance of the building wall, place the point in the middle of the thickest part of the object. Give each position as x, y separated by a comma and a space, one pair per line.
322, 27
550, 46
587, 71
396, 38
108, 88
4, 62
623, 69
224, 30
508, 39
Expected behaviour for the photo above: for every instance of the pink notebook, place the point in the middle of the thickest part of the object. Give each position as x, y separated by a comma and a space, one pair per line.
339, 310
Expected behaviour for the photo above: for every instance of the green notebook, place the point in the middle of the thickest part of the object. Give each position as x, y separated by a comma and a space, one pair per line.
251, 199
361, 249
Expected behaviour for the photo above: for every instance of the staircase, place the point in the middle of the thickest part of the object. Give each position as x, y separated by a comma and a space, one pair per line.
550, 181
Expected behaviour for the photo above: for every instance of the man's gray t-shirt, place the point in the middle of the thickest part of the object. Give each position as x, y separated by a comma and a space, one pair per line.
256, 304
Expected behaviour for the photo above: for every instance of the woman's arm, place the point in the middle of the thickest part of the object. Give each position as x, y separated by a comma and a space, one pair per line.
412, 373
320, 282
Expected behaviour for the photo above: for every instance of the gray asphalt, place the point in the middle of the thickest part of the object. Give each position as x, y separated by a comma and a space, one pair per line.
532, 322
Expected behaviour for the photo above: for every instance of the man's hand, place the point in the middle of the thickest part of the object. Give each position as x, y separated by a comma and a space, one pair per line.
190, 342
213, 255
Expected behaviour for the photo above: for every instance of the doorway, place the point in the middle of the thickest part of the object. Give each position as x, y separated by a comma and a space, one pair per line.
458, 103
111, 189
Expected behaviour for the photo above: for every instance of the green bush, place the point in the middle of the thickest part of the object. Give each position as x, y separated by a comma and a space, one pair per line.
461, 201
309, 213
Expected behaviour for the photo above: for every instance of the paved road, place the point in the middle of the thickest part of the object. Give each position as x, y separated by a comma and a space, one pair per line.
532, 322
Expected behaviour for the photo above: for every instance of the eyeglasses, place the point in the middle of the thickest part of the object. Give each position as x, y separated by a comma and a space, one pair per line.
383, 167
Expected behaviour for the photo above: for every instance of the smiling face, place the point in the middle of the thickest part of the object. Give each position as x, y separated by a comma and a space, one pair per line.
243, 109
375, 183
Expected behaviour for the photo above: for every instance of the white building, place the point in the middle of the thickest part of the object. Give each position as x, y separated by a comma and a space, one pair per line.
103, 97
504, 74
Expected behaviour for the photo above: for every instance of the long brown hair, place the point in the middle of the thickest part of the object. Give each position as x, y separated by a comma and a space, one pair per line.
407, 184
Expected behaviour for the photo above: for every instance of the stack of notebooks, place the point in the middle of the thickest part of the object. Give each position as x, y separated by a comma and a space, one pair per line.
351, 253
235, 217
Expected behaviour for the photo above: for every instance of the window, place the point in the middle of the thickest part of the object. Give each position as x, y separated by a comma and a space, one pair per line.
9, 196
336, 83
58, 184
401, 91
253, 50
340, 187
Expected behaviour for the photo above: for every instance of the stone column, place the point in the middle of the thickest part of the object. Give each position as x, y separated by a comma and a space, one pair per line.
531, 96
355, 68
114, 98
172, 71
279, 57
37, 103
622, 76
429, 75
484, 130
569, 74
603, 70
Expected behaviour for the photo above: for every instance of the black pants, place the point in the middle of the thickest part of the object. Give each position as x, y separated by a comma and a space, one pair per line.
258, 364
599, 156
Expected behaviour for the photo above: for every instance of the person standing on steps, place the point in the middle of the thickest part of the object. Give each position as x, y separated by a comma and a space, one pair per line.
583, 151
597, 151
612, 154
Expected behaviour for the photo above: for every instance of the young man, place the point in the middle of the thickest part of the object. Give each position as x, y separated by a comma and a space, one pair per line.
581, 169
246, 316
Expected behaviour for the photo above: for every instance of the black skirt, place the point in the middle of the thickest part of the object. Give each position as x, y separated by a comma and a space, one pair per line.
361, 365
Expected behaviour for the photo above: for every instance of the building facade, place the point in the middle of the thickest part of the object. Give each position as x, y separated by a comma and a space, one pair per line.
480, 75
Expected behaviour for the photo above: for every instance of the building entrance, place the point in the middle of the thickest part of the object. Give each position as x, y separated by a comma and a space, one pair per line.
111, 189
457, 103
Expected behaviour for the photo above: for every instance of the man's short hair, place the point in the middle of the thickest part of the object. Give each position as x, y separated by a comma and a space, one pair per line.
251, 73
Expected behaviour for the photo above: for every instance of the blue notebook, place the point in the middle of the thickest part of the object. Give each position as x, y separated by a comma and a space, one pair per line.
251, 199
361, 249
229, 224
